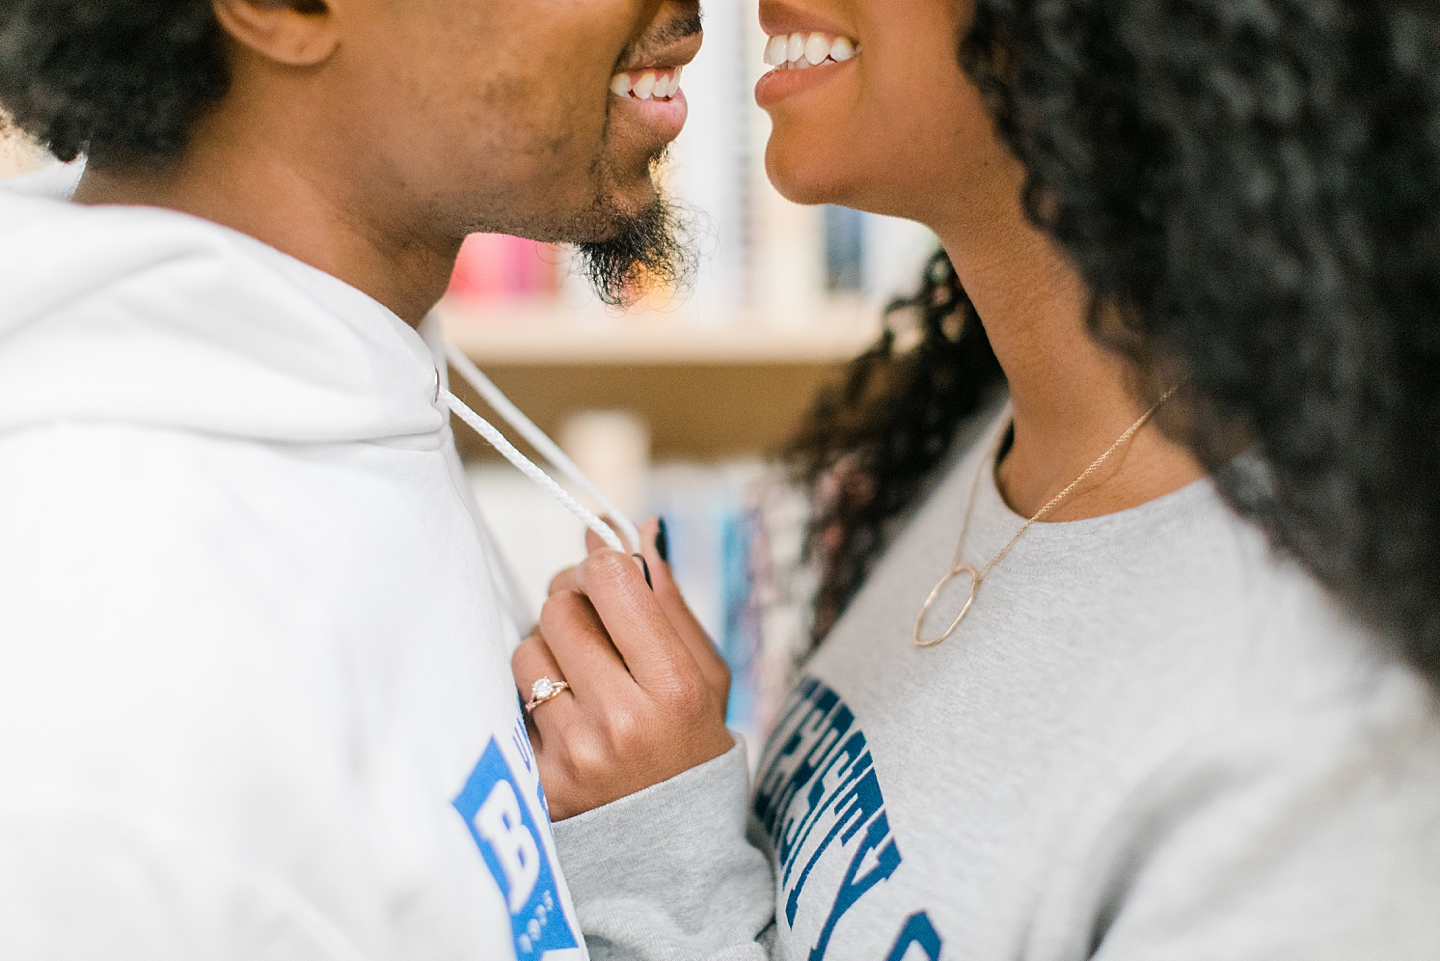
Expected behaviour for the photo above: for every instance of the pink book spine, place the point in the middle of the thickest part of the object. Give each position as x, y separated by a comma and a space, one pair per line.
497, 266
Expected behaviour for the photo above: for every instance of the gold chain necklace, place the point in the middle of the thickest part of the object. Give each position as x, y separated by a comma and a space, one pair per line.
977, 576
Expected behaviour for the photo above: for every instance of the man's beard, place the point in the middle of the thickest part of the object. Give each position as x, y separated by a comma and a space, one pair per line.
651, 250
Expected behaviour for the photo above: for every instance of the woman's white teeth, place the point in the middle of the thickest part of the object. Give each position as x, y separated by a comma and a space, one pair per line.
799, 51
795, 48
647, 84
775, 52
817, 49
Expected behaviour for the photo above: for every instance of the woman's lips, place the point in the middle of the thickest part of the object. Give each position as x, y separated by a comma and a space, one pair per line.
780, 18
802, 60
781, 84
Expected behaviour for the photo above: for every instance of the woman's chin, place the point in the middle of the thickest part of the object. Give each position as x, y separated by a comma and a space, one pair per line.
803, 177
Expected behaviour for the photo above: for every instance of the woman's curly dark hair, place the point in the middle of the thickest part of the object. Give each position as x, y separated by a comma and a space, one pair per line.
872, 442
1252, 191
119, 80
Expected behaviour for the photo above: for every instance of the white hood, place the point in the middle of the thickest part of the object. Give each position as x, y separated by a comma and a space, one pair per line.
177, 322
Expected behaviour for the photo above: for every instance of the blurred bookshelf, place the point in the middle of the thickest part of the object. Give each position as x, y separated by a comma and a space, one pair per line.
546, 333
733, 389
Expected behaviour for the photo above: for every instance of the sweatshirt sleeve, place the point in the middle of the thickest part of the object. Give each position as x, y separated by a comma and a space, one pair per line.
667, 873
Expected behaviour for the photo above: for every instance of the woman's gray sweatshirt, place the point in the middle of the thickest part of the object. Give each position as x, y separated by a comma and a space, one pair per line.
1150, 739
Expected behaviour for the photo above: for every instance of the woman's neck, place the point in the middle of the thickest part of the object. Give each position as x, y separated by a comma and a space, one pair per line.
1072, 399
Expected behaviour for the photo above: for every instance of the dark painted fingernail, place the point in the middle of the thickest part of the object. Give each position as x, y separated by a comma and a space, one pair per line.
646, 568
662, 541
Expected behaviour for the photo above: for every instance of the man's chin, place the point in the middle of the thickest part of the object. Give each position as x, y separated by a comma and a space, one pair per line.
644, 251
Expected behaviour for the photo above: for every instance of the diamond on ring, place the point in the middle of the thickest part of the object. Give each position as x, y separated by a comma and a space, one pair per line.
545, 690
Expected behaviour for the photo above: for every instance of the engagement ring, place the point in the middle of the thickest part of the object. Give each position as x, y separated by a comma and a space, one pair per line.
545, 690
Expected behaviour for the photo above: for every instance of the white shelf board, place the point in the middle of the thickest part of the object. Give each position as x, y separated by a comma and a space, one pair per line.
547, 334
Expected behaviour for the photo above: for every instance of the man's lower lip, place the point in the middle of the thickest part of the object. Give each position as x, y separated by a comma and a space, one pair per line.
779, 84
665, 117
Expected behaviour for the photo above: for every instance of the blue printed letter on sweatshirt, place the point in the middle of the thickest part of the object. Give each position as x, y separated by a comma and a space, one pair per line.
500, 822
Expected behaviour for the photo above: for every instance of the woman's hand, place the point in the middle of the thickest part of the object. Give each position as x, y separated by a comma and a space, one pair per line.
647, 689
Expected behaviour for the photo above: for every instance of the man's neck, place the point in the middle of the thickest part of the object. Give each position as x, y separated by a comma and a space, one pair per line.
300, 211
1071, 398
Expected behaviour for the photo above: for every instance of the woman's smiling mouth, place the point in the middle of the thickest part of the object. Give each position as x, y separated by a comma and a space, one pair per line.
803, 60
800, 51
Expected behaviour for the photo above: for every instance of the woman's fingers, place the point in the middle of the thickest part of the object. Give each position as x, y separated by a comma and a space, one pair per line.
653, 535
649, 689
593, 542
579, 643
657, 657
532, 661
564, 581
566, 739
631, 722
671, 601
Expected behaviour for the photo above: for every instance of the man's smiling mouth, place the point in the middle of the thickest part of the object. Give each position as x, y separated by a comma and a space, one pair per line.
647, 84
652, 67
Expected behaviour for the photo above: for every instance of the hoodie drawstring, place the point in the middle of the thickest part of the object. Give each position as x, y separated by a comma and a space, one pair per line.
513, 416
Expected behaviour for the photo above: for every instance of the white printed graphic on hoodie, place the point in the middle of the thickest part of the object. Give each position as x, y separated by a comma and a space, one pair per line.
255, 697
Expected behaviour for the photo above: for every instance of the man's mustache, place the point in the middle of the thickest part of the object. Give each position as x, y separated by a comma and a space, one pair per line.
680, 28
674, 30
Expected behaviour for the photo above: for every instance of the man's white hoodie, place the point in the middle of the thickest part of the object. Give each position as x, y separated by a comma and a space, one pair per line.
255, 697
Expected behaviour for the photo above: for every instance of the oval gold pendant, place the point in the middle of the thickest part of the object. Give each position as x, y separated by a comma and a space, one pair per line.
935, 595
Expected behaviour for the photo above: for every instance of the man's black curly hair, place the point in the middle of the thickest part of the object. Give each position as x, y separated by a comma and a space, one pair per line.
1251, 188
119, 80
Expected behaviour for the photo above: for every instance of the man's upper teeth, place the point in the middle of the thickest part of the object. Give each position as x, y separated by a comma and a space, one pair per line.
647, 84
808, 49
